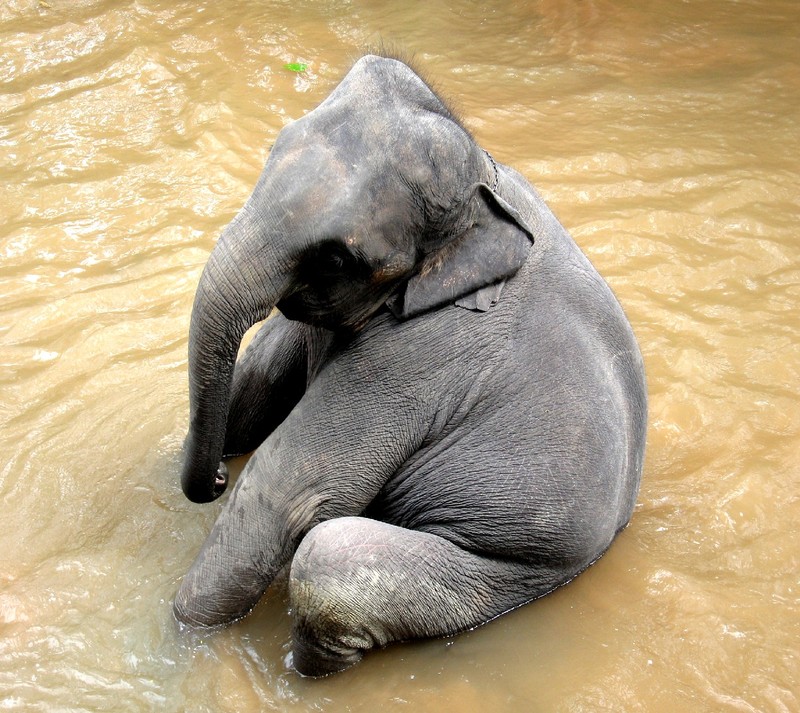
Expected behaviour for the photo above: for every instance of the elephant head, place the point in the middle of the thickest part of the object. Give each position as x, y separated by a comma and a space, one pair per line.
377, 196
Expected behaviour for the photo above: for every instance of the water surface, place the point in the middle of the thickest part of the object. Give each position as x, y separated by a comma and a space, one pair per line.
665, 136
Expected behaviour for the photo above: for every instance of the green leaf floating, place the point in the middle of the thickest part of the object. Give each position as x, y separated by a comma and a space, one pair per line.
296, 67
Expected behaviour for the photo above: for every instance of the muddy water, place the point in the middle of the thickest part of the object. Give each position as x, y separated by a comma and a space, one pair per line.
665, 135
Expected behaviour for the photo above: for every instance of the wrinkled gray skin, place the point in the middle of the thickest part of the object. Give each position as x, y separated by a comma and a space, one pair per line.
427, 456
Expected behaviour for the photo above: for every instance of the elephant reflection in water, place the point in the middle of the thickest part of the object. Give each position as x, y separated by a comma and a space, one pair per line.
448, 414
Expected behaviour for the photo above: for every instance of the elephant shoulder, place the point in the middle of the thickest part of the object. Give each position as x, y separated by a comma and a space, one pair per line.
432, 357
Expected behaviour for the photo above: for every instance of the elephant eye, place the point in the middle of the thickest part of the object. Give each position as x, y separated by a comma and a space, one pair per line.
330, 262
335, 260
332, 258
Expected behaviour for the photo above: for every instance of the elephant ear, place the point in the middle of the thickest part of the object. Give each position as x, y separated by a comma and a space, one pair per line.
471, 269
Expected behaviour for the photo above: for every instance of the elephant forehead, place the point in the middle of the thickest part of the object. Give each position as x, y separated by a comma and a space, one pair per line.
329, 150
357, 134
301, 176
314, 176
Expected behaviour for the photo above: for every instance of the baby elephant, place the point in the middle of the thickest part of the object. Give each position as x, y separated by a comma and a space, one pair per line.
448, 414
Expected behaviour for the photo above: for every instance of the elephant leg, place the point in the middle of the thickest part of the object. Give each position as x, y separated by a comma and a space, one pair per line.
268, 381
247, 546
357, 584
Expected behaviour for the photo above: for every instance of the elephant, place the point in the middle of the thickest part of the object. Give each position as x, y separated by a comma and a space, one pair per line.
446, 404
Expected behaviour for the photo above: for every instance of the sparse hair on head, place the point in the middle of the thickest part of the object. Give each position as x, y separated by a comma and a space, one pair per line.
392, 51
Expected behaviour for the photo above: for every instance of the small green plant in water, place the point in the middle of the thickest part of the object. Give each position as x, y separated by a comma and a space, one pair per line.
296, 66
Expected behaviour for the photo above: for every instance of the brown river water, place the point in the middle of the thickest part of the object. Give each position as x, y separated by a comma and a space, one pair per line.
666, 137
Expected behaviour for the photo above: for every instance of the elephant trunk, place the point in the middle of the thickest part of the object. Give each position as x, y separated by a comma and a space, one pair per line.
236, 290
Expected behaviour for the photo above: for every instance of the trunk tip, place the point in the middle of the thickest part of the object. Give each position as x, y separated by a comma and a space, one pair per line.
204, 490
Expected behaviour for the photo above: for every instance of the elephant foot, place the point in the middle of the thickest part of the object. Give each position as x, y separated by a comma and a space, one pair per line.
190, 613
210, 597
311, 657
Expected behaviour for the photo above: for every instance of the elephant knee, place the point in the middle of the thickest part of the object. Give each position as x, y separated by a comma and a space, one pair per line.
191, 609
210, 598
329, 632
194, 608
